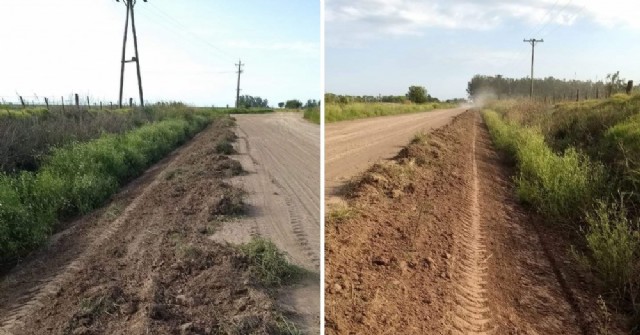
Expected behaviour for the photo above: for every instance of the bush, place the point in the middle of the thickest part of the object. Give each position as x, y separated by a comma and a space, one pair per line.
614, 242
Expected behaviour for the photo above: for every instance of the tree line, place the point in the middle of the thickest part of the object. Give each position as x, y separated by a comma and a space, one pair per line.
248, 101
415, 94
547, 88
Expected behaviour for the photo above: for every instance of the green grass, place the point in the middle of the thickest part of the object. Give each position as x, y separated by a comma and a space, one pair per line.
560, 186
79, 177
614, 242
250, 110
270, 264
312, 114
335, 112
571, 160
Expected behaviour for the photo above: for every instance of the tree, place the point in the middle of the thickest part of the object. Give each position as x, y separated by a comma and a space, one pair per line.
293, 104
247, 101
417, 94
615, 84
312, 103
280, 104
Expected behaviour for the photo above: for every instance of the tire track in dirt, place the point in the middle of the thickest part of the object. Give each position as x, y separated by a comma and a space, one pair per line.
280, 153
471, 313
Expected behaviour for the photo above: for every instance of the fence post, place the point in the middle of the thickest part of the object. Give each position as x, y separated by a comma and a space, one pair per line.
110, 105
62, 103
88, 103
46, 101
100, 105
131, 102
22, 102
77, 101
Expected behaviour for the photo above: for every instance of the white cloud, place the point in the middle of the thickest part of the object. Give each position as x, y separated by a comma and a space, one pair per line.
358, 19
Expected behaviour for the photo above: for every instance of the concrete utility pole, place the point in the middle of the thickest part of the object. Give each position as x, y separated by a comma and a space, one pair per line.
130, 13
533, 42
238, 90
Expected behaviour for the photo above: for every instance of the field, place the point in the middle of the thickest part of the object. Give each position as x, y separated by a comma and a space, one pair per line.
578, 166
335, 112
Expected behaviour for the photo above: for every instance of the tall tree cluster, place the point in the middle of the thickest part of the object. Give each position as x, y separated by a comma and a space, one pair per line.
549, 87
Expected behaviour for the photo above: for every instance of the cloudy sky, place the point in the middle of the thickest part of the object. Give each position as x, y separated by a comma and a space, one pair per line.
383, 46
187, 49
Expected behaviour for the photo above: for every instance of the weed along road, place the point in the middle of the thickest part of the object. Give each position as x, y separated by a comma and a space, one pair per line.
352, 146
280, 154
151, 260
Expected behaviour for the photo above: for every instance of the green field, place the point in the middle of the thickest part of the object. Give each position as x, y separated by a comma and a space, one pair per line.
335, 112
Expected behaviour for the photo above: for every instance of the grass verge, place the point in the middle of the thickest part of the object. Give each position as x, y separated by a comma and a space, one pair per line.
312, 115
335, 112
78, 178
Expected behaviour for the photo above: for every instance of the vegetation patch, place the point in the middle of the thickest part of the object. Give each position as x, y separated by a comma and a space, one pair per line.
312, 114
572, 159
269, 264
79, 177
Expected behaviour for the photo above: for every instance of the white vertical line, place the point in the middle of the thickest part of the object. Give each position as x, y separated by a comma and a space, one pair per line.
322, 151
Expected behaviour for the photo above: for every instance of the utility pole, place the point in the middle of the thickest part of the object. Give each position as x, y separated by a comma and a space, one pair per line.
533, 42
130, 13
238, 90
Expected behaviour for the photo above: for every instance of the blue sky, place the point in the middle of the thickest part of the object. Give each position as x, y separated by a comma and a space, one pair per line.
187, 49
384, 46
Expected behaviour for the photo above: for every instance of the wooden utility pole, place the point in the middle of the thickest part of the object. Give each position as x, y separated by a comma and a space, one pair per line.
238, 90
533, 42
130, 13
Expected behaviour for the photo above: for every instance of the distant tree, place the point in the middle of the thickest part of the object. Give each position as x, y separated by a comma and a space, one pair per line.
312, 103
417, 94
247, 101
280, 104
293, 104
615, 84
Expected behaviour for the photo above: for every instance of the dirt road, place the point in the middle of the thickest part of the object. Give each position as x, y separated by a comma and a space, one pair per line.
352, 146
438, 244
146, 262
280, 153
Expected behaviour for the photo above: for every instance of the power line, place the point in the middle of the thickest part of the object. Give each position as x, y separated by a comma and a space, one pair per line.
186, 30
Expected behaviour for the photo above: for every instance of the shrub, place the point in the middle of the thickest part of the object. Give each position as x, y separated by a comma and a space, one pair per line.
614, 243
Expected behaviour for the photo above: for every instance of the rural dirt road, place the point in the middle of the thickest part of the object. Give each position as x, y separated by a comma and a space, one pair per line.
353, 146
435, 242
281, 154
146, 263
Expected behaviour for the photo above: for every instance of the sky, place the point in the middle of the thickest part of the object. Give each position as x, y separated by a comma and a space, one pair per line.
384, 46
188, 50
